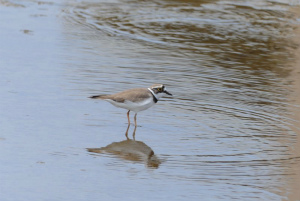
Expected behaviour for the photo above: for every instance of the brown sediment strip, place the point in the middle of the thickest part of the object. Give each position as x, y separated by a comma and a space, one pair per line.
294, 170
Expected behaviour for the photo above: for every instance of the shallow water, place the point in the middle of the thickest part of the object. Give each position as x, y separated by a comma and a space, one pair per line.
230, 131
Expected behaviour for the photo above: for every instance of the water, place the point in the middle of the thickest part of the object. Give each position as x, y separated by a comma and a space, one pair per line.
230, 131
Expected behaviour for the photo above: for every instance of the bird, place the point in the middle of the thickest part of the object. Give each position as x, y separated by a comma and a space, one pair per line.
136, 100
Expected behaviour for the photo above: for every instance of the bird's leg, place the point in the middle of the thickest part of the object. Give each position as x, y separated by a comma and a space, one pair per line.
128, 117
126, 134
135, 125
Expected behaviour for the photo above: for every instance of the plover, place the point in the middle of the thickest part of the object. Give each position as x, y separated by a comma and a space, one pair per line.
135, 100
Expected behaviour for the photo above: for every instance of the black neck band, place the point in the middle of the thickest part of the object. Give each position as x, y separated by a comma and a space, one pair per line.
154, 97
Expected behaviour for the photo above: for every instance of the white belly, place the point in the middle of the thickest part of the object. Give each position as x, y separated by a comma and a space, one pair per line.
133, 106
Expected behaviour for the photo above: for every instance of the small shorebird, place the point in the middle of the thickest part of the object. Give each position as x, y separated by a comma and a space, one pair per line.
136, 100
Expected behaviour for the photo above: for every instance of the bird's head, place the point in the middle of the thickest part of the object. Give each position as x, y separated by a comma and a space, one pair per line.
159, 90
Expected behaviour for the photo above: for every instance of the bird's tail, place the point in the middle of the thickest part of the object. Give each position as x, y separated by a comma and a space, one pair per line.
99, 97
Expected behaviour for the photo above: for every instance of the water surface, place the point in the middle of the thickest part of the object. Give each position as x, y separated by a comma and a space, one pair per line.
230, 131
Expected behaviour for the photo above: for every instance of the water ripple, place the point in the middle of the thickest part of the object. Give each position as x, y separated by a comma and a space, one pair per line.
228, 64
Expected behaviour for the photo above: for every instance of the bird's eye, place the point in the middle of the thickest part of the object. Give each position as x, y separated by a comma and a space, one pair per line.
159, 89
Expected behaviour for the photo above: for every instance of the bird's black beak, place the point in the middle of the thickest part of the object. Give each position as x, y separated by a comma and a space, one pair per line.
168, 93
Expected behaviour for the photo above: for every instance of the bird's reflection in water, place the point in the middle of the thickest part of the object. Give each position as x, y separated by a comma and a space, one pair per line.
131, 150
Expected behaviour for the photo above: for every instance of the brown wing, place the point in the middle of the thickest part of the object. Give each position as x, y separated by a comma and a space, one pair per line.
132, 95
